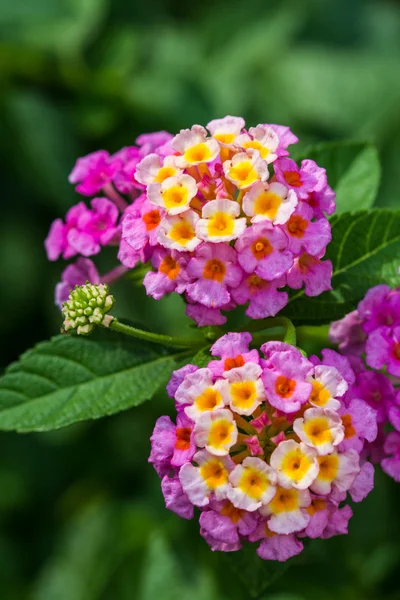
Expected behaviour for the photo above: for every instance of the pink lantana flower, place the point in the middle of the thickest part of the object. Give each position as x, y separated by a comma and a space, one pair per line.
233, 350
321, 429
262, 249
287, 510
285, 380
197, 394
209, 477
261, 138
216, 271
253, 484
263, 296
314, 273
360, 423
171, 273
220, 222
175, 498
305, 234
391, 464
226, 130
274, 546
348, 334
286, 138
224, 522
93, 172
338, 470
383, 348
380, 307
194, 147
205, 316
301, 180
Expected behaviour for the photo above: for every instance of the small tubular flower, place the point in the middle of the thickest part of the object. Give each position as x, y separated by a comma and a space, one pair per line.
194, 147
178, 232
219, 222
245, 169
260, 472
173, 194
269, 202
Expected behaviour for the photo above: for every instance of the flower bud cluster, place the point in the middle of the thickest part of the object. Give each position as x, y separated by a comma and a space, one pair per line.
265, 449
370, 338
86, 308
222, 214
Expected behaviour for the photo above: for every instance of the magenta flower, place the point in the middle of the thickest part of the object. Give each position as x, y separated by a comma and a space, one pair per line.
93, 172
360, 423
380, 307
233, 350
154, 142
274, 546
315, 274
285, 379
205, 316
175, 498
172, 445
322, 201
79, 273
286, 138
391, 464
348, 334
225, 523
140, 224
302, 180
383, 349
171, 273
377, 390
305, 234
216, 271
262, 249
263, 296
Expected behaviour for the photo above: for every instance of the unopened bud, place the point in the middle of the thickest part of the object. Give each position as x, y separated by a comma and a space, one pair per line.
86, 308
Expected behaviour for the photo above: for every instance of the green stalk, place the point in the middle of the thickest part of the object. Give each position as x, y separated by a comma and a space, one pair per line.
156, 338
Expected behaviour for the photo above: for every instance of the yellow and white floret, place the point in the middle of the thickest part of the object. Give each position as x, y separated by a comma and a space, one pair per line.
153, 169
338, 470
226, 130
246, 168
178, 232
327, 384
216, 431
242, 388
219, 222
173, 194
253, 484
269, 202
262, 138
195, 147
210, 476
286, 510
321, 429
198, 394
295, 464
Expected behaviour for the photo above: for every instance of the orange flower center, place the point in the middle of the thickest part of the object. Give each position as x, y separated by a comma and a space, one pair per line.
261, 248
152, 219
183, 438
297, 225
170, 268
284, 386
232, 363
292, 178
215, 269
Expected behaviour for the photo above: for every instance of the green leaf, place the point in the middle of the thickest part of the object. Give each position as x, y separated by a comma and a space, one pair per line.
364, 251
69, 379
202, 358
353, 170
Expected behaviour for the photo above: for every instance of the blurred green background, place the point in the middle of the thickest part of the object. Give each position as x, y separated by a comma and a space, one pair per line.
81, 513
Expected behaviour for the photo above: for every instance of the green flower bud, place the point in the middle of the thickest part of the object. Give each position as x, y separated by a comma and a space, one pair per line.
86, 308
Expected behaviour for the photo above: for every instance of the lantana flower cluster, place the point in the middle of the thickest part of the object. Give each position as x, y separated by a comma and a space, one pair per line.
223, 215
265, 449
370, 338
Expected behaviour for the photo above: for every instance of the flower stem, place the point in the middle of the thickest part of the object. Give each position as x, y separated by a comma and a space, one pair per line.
157, 338
290, 333
113, 195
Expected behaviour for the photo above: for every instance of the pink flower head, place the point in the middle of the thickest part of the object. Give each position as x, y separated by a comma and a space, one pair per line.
79, 273
177, 377
383, 348
140, 224
322, 201
348, 334
305, 234
224, 522
315, 274
93, 172
377, 390
263, 296
262, 249
301, 180
233, 350
205, 316
391, 464
153, 142
360, 423
380, 307
286, 138
175, 498
171, 273
285, 380
85, 230
216, 271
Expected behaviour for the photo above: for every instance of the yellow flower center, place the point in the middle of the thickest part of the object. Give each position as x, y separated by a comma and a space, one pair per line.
197, 154
257, 146
208, 400
221, 223
235, 514
317, 430
220, 433
182, 232
175, 196
164, 173
328, 467
267, 204
243, 174
253, 483
319, 395
284, 501
296, 464
225, 138
244, 394
214, 473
